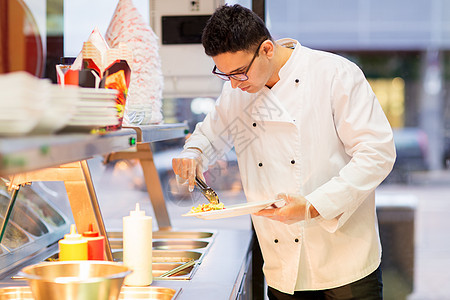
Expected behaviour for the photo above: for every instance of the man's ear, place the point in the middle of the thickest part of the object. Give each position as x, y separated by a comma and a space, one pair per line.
268, 48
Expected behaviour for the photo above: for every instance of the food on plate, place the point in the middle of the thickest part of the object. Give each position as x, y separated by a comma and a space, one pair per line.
206, 207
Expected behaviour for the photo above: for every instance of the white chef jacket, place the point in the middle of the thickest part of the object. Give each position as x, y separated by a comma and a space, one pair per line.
318, 132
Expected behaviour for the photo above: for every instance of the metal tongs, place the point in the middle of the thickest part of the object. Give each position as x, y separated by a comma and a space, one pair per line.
207, 191
180, 268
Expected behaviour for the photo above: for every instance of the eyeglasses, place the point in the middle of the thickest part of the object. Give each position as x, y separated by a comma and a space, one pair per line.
241, 76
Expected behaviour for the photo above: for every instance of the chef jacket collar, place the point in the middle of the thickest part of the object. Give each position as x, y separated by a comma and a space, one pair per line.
291, 63
266, 105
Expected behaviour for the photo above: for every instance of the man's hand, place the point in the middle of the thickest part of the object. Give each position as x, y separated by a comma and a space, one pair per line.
293, 211
187, 165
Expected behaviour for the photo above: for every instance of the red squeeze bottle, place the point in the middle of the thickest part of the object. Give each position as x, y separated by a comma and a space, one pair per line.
96, 244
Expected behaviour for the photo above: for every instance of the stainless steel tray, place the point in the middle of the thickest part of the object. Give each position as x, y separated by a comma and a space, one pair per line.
170, 250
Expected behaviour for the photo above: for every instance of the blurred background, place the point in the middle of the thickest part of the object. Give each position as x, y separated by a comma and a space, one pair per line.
402, 46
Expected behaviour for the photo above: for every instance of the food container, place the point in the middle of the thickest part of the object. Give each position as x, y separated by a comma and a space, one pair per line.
95, 243
73, 246
96, 280
127, 293
16, 293
137, 247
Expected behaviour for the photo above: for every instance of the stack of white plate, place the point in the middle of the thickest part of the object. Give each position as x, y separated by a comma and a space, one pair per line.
29, 105
95, 108
23, 100
61, 106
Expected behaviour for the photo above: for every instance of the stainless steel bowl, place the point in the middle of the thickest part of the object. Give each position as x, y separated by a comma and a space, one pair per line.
16, 293
127, 293
148, 293
96, 280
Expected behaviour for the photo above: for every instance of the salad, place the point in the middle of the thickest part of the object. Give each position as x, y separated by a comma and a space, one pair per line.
206, 207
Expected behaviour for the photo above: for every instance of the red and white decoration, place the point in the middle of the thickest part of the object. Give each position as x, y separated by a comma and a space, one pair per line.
144, 99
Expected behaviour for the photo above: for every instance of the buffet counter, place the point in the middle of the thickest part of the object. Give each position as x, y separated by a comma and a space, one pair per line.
224, 273
224, 270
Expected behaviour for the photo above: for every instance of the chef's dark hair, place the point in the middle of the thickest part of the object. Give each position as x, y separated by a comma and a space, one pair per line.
233, 28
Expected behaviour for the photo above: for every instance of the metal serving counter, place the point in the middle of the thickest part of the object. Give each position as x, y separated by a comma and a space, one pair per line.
224, 272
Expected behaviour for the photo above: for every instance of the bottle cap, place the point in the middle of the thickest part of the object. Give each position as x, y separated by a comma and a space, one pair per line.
137, 212
73, 235
91, 232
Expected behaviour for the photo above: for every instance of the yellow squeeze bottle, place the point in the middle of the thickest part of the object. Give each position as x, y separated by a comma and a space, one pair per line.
73, 246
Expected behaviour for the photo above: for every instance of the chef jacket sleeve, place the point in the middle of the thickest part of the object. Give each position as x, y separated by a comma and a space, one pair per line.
367, 138
211, 136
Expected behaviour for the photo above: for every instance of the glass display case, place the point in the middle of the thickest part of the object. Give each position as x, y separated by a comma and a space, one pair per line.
35, 225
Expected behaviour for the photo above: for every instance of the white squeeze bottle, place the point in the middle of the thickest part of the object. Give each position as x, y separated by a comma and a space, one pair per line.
137, 247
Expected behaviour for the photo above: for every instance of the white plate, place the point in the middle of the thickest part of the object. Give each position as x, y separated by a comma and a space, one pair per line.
17, 127
97, 103
101, 123
93, 91
82, 128
233, 210
100, 110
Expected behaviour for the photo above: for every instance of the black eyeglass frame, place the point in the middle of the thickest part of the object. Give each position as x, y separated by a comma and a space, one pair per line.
227, 77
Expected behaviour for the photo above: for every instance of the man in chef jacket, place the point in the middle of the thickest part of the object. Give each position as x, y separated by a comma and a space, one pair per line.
307, 128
